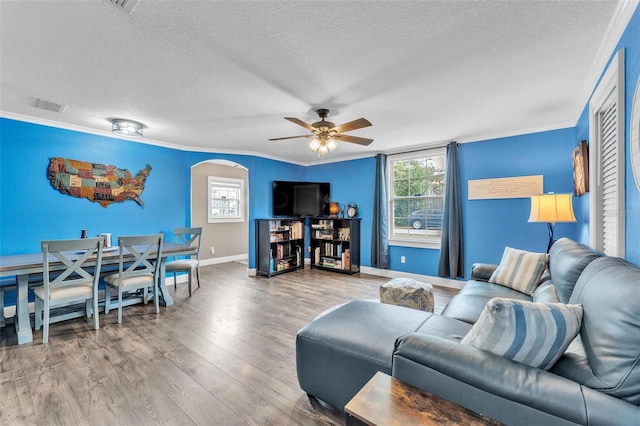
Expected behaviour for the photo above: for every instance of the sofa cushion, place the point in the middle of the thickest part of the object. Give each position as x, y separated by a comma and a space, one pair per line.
567, 260
535, 334
447, 328
546, 293
468, 304
520, 270
608, 289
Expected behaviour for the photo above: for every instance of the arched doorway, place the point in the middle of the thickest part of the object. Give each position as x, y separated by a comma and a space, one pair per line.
221, 241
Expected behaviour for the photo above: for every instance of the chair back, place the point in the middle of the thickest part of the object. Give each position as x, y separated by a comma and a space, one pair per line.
139, 255
189, 236
81, 260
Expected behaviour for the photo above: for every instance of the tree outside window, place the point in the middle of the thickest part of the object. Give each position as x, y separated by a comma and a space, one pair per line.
416, 195
226, 198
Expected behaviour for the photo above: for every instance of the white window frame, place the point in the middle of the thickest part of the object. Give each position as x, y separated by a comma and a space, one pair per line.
225, 182
395, 240
610, 89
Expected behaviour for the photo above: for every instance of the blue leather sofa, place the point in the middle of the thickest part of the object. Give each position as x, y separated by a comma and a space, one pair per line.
595, 382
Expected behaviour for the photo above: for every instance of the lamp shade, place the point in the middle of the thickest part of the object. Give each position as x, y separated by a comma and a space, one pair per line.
552, 208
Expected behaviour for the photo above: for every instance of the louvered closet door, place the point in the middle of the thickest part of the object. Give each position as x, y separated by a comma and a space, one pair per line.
607, 145
609, 177
608, 207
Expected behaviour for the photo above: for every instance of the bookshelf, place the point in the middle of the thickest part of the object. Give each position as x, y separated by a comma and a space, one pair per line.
279, 245
335, 244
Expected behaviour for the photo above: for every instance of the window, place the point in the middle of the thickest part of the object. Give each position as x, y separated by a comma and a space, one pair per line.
416, 197
606, 157
226, 199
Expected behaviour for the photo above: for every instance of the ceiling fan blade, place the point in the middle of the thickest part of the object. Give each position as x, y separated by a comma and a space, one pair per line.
353, 139
300, 123
352, 125
292, 137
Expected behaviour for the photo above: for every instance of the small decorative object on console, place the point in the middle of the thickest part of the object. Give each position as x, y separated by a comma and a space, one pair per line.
352, 210
334, 208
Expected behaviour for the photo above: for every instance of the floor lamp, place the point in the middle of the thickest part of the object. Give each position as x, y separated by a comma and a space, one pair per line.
552, 208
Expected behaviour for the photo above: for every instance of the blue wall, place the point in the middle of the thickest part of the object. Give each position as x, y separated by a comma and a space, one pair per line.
630, 42
31, 210
489, 225
351, 181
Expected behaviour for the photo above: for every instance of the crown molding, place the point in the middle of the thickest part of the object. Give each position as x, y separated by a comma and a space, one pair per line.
606, 51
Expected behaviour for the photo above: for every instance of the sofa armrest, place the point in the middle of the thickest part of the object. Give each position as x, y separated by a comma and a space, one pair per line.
482, 271
500, 388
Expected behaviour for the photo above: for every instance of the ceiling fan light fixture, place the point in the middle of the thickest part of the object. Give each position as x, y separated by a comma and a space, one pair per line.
325, 133
314, 145
323, 144
128, 128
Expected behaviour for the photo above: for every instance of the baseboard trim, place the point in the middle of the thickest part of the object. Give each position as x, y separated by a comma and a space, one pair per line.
225, 259
439, 281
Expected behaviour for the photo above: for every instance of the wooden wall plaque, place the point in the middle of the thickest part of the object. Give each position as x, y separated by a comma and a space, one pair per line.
509, 187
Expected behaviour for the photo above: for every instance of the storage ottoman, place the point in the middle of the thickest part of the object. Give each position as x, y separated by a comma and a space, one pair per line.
409, 293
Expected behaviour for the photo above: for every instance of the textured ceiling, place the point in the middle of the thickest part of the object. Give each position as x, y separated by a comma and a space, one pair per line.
221, 75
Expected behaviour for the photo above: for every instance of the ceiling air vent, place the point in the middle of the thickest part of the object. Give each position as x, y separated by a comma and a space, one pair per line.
124, 5
50, 106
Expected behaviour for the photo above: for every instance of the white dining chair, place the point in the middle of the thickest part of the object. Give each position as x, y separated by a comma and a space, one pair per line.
7, 284
192, 237
76, 281
138, 269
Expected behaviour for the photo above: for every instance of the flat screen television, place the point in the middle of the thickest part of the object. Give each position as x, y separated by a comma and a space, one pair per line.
301, 198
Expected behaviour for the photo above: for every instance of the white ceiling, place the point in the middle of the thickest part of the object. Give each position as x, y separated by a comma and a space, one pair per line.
221, 75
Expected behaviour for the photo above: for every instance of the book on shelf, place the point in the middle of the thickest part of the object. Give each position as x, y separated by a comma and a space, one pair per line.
346, 259
323, 224
296, 230
276, 225
276, 237
324, 234
282, 265
344, 234
328, 262
283, 250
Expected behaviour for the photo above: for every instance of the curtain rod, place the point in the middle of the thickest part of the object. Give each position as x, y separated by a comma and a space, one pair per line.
438, 145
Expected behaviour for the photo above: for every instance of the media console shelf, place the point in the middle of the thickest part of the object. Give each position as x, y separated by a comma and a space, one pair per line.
335, 244
279, 246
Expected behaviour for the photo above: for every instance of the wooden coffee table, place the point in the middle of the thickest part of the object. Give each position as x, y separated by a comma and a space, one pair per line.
387, 401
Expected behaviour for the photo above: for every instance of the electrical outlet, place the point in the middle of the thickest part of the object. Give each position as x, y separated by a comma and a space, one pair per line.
213, 250
403, 259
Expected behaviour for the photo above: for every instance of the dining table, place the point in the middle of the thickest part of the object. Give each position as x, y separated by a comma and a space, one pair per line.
29, 267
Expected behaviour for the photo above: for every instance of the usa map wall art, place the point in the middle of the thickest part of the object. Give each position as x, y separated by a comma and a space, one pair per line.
99, 183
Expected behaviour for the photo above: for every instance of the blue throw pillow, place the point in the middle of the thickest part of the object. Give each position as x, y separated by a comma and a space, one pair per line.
536, 334
520, 270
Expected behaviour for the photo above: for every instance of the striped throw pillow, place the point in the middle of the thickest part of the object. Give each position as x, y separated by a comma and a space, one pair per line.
536, 334
520, 270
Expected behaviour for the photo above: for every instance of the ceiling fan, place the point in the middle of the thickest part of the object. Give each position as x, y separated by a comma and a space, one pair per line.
325, 133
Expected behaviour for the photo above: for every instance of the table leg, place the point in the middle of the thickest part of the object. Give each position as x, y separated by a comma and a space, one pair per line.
168, 300
2, 319
22, 321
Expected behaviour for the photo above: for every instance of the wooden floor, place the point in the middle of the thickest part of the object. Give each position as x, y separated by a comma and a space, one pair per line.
225, 356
